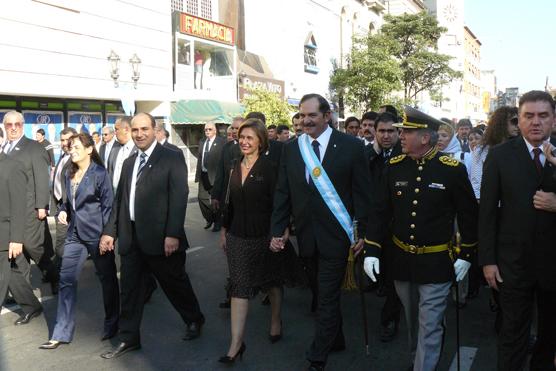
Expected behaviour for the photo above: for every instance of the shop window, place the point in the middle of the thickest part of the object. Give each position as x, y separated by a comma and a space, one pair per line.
184, 52
311, 61
210, 62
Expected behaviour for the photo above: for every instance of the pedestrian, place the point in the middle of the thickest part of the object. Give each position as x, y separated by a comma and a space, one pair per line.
14, 268
423, 192
86, 209
245, 237
147, 218
162, 137
449, 144
122, 149
40, 136
475, 138
463, 129
59, 194
367, 131
209, 153
272, 132
97, 140
36, 163
517, 225
297, 125
109, 143
322, 158
352, 126
283, 133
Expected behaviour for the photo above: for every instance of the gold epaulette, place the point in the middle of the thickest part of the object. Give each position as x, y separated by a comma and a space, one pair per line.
395, 160
447, 160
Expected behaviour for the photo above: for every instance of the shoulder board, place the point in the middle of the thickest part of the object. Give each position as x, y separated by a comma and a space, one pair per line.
447, 160
395, 160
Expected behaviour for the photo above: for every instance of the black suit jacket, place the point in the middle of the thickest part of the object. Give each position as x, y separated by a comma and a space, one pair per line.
62, 181
377, 162
347, 168
12, 201
111, 156
512, 233
213, 158
160, 203
230, 154
34, 158
171, 146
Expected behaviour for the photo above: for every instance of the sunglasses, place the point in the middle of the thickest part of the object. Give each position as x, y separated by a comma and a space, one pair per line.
13, 124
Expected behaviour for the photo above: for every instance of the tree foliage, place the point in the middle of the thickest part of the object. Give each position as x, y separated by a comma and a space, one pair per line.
372, 73
276, 110
416, 48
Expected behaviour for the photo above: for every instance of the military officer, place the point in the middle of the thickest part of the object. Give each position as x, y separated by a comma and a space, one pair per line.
422, 193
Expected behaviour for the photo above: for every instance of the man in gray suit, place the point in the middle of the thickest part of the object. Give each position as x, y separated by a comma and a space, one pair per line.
208, 158
14, 268
36, 164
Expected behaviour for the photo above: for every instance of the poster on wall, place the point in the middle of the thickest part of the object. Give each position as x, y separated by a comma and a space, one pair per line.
112, 117
52, 122
86, 122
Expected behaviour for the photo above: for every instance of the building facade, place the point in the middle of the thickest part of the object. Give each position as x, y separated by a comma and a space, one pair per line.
473, 100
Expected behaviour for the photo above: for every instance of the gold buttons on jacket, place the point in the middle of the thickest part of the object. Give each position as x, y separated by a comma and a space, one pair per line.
412, 226
414, 214
399, 193
416, 190
412, 237
415, 202
420, 168
418, 178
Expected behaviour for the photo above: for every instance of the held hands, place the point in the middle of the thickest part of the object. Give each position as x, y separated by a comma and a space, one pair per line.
545, 201
357, 247
171, 244
14, 250
461, 267
492, 275
277, 244
41, 214
63, 218
106, 244
371, 265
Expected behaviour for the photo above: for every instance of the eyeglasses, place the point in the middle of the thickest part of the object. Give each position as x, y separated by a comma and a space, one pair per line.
209, 129
105, 135
13, 124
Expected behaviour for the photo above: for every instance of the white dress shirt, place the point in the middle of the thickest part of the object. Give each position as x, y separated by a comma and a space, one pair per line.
10, 145
148, 152
323, 140
125, 151
206, 147
530, 147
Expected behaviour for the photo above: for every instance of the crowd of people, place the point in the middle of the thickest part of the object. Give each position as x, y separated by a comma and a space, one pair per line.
429, 208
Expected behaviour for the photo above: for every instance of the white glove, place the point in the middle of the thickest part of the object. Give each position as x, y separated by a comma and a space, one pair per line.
371, 265
461, 267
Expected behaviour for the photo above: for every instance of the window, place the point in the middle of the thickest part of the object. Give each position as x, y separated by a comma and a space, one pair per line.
310, 55
199, 8
177, 5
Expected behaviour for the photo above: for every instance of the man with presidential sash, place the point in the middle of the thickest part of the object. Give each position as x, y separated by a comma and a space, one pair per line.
324, 184
421, 194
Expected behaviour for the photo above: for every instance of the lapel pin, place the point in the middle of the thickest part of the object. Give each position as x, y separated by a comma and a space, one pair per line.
150, 166
334, 146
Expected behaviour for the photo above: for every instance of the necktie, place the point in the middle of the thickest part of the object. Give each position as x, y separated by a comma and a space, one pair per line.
387, 155
315, 145
142, 162
8, 147
537, 160
205, 154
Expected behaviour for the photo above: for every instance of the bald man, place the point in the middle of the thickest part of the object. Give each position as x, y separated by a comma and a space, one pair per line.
210, 152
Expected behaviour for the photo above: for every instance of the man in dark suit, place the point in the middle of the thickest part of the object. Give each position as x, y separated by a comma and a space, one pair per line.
148, 219
14, 268
109, 143
123, 148
320, 234
517, 230
162, 136
385, 147
58, 192
210, 152
36, 162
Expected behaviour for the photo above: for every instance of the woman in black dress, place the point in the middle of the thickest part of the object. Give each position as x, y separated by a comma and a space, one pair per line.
246, 236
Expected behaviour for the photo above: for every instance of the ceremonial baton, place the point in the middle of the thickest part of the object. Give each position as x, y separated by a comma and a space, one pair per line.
362, 293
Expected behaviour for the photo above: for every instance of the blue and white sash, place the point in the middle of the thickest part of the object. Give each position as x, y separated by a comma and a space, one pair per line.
325, 186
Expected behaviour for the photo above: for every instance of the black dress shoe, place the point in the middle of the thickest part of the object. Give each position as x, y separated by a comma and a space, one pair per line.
316, 366
51, 344
108, 335
208, 225
388, 331
120, 350
26, 318
193, 330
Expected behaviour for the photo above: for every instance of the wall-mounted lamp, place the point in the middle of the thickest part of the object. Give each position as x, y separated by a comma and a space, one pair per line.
114, 60
135, 62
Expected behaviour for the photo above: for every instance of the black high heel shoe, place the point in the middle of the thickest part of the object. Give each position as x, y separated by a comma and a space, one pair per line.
276, 338
229, 360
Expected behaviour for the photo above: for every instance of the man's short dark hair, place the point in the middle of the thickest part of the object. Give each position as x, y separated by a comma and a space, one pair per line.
324, 106
281, 128
95, 133
385, 117
464, 122
371, 115
127, 119
68, 130
256, 115
351, 119
295, 117
270, 127
391, 110
41, 132
535, 96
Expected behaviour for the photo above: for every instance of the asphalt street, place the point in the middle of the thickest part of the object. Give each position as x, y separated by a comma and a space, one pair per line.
162, 328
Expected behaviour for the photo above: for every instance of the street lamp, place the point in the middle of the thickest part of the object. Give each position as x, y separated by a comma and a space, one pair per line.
114, 60
135, 62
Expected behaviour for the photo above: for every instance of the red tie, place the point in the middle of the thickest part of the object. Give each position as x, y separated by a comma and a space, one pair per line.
537, 160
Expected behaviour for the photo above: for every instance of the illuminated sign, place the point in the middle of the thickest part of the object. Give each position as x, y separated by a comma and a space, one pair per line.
206, 29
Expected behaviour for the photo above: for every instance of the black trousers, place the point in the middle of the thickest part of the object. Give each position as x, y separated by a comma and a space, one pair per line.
14, 278
61, 233
517, 312
35, 248
135, 271
204, 199
391, 310
328, 331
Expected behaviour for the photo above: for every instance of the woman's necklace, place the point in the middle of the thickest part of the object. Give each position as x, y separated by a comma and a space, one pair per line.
246, 164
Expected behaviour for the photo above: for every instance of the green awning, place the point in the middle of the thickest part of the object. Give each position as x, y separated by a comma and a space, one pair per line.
203, 111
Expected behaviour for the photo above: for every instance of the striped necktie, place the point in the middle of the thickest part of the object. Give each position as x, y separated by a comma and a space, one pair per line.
142, 162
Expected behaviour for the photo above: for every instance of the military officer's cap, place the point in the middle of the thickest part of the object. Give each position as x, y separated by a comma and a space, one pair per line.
415, 119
